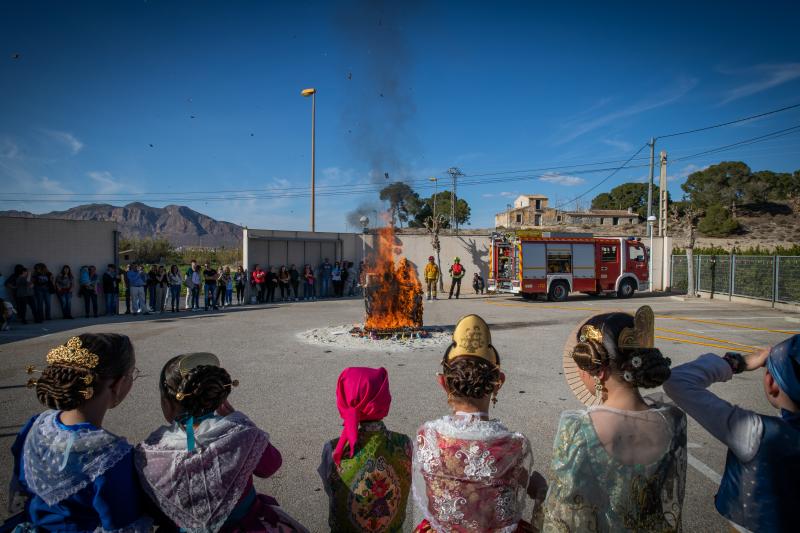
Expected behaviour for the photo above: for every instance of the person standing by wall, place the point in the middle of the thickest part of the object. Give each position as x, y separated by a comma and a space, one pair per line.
197, 281
162, 285
89, 289
260, 283
111, 289
136, 284
210, 278
294, 281
336, 278
21, 284
308, 283
271, 282
42, 282
228, 287
283, 283
239, 279
174, 279
64, 284
456, 275
431, 277
188, 277
325, 278
124, 276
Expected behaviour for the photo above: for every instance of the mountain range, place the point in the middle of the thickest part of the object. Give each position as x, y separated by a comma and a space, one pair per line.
179, 224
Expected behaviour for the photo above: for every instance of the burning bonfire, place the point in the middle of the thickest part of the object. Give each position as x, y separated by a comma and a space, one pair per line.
392, 293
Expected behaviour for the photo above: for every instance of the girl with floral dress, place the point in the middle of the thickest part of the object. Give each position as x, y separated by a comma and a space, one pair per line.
70, 474
367, 470
199, 469
470, 473
620, 464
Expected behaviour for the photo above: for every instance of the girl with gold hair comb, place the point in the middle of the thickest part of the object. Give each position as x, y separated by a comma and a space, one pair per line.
70, 474
619, 464
469, 472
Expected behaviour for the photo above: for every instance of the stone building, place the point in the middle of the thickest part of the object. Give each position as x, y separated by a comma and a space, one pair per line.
532, 210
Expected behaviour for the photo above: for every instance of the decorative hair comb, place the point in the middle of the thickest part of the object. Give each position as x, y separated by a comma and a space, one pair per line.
73, 353
192, 361
642, 334
590, 332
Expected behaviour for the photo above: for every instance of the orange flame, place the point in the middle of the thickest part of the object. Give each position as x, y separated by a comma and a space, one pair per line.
394, 292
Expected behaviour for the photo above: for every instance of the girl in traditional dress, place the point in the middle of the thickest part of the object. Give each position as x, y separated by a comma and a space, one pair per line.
199, 469
620, 464
470, 473
69, 473
367, 470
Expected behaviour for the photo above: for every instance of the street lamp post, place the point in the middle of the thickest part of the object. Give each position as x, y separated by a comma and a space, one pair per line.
313, 94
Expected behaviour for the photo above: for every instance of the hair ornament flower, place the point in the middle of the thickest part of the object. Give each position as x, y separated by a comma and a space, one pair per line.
628, 375
636, 361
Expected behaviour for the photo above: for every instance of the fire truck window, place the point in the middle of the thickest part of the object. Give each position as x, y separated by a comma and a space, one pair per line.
608, 254
636, 253
559, 263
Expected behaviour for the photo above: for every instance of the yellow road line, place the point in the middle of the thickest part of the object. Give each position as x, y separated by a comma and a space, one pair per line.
706, 338
739, 326
687, 341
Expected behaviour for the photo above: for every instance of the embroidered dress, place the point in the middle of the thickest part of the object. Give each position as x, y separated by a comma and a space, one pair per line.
369, 491
470, 475
211, 488
75, 478
607, 485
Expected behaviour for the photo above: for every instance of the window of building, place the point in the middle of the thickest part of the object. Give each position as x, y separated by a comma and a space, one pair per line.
559, 262
519, 218
558, 218
538, 204
537, 220
608, 254
615, 221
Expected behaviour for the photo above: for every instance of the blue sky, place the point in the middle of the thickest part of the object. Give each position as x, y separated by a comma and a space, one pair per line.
406, 88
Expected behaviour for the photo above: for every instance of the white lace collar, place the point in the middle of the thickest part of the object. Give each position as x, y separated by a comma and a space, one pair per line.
58, 462
468, 427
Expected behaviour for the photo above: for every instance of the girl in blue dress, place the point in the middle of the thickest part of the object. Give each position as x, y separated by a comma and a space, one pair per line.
69, 473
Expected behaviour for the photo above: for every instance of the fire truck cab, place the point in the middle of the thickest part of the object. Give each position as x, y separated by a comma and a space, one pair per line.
557, 264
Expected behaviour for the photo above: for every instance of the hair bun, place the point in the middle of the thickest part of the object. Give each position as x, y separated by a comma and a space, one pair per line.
65, 387
590, 355
646, 367
204, 389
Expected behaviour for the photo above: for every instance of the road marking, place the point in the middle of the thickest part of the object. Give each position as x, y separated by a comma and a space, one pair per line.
703, 468
754, 348
712, 345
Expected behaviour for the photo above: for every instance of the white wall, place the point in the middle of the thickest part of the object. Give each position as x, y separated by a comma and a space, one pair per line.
55, 243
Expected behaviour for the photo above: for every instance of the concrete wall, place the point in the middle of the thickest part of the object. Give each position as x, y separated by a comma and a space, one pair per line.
55, 243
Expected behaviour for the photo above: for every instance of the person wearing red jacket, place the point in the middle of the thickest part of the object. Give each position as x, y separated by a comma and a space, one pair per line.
259, 279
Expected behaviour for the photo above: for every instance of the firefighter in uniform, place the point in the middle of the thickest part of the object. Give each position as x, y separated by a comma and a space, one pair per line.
456, 275
431, 277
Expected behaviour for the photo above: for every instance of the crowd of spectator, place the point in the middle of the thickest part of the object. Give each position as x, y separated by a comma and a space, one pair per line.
160, 289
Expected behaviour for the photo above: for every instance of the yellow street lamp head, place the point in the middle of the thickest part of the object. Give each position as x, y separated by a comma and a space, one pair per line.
308, 92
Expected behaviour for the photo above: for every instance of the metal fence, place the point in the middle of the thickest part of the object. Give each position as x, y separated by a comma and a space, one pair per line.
775, 278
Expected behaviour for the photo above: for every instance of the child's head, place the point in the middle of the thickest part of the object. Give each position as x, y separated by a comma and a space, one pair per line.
193, 385
616, 350
471, 365
93, 368
782, 378
362, 395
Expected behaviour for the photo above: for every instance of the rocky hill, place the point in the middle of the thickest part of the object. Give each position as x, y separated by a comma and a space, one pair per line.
179, 224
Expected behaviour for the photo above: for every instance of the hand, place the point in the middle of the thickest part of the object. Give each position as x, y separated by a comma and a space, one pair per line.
756, 360
225, 409
537, 487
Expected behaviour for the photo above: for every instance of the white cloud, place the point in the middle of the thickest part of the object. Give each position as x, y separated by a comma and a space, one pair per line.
622, 146
68, 139
764, 77
588, 120
506, 194
8, 149
562, 179
105, 182
46, 185
487, 195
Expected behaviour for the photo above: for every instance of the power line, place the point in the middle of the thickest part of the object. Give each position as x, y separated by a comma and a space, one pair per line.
745, 119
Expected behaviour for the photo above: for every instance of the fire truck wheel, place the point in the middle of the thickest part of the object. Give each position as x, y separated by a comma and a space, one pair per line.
559, 291
626, 289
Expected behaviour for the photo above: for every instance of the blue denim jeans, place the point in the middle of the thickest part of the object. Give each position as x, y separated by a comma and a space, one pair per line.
65, 299
112, 303
324, 287
195, 297
41, 301
175, 294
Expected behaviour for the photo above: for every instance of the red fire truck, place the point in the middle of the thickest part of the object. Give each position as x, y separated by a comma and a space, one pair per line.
552, 264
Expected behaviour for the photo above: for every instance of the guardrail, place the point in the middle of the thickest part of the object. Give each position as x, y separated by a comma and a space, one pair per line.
770, 278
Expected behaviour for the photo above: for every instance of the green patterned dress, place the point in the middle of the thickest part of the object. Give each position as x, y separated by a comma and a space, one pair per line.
369, 491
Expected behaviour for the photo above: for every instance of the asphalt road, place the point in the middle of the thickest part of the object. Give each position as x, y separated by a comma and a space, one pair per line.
288, 386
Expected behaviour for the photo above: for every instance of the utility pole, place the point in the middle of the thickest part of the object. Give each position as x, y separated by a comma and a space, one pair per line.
663, 195
455, 173
652, 144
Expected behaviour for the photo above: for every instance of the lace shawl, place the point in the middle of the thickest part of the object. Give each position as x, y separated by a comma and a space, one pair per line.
198, 490
470, 474
58, 462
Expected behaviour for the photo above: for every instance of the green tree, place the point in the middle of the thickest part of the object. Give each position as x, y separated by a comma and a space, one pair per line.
723, 184
633, 195
398, 194
421, 208
717, 222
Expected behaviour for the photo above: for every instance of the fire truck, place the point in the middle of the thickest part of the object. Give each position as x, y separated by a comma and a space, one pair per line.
552, 264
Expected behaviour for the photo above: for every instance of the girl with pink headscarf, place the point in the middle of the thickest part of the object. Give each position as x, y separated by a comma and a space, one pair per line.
367, 470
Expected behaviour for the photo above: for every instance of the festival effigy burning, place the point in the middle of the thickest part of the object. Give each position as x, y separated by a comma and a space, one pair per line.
392, 293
